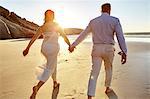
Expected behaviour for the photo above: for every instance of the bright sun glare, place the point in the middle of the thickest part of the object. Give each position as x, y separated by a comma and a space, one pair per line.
66, 18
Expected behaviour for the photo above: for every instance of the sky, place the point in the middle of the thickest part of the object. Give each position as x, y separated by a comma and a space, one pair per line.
134, 15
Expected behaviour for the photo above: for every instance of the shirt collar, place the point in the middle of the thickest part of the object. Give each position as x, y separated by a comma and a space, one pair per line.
104, 13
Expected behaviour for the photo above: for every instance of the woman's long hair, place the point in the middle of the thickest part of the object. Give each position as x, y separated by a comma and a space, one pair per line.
49, 16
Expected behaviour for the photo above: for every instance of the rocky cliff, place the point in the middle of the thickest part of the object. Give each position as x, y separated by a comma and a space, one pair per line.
14, 26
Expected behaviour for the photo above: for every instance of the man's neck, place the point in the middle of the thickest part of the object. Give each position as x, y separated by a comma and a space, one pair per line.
105, 13
108, 12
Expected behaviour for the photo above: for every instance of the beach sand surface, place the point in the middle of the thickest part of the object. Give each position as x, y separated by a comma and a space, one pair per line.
17, 73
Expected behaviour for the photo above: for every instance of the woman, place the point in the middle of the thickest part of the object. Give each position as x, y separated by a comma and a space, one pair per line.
49, 49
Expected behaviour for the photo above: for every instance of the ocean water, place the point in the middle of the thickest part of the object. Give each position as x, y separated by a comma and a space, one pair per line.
128, 38
138, 38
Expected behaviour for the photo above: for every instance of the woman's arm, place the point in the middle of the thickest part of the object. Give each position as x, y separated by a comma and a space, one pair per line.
61, 31
36, 36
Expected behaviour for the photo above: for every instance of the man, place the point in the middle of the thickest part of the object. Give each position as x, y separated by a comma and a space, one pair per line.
103, 29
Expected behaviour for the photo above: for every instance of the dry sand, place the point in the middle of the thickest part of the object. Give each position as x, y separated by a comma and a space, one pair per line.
17, 73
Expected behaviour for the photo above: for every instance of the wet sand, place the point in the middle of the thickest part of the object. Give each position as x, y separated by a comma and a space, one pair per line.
17, 73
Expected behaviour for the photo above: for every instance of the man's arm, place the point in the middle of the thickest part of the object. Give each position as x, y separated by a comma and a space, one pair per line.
82, 36
121, 41
120, 37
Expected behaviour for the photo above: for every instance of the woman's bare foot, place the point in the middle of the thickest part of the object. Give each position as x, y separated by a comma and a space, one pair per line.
55, 90
56, 84
35, 89
56, 87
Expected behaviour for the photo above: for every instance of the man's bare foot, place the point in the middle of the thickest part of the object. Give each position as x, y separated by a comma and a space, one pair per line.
89, 97
35, 89
108, 90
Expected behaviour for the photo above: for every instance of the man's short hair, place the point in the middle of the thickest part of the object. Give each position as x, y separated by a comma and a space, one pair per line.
106, 7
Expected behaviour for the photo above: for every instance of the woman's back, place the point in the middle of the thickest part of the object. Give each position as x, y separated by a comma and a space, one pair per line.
50, 32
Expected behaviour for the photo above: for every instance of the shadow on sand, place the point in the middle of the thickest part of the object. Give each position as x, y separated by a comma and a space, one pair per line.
112, 95
55, 92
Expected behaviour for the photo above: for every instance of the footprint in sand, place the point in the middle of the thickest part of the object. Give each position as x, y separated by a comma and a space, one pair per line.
74, 94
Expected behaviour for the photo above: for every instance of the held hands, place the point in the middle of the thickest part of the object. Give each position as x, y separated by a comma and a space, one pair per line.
71, 48
123, 57
25, 52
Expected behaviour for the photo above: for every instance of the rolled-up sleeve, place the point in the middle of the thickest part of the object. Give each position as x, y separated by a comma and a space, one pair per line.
82, 35
120, 37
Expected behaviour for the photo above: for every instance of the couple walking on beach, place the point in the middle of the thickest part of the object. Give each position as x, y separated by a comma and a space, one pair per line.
103, 29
